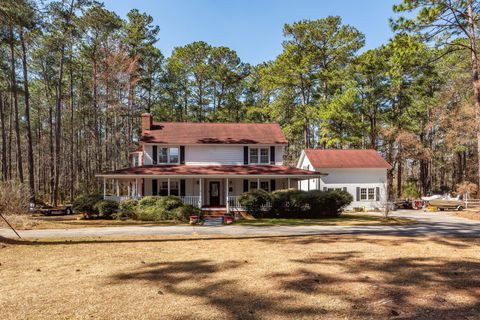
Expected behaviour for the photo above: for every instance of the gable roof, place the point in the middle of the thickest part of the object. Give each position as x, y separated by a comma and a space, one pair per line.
369, 158
213, 133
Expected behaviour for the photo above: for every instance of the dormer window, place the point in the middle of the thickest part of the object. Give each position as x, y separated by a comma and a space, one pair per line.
136, 160
259, 155
168, 155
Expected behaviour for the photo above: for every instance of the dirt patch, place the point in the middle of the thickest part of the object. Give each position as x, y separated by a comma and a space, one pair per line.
310, 277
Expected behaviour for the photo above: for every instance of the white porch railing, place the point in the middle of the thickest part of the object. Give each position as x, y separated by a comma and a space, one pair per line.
233, 202
191, 200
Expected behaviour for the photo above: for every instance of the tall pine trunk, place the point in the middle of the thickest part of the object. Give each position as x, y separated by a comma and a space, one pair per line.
15, 108
31, 168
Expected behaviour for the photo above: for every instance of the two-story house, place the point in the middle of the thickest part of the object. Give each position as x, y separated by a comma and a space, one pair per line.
208, 165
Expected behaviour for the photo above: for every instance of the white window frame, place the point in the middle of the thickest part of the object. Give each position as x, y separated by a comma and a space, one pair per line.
136, 160
258, 155
168, 155
363, 194
367, 194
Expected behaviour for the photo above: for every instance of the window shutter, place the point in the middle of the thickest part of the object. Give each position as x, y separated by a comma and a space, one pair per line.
345, 189
182, 154
358, 193
182, 188
154, 154
377, 193
154, 187
272, 155
245, 185
245, 155
272, 185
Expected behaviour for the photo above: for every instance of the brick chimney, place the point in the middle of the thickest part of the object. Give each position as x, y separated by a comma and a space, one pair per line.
147, 121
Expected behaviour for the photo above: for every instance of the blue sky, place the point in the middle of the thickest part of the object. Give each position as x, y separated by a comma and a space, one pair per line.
253, 28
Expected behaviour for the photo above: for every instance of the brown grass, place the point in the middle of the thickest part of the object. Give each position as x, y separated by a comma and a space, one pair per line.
312, 277
39, 221
468, 214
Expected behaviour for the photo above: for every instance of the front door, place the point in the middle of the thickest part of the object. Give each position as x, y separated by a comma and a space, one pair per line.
214, 193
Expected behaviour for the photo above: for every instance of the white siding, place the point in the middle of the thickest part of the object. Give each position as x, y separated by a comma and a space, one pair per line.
279, 155
147, 154
214, 155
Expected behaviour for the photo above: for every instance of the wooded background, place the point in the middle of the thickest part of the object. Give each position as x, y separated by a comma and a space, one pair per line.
75, 78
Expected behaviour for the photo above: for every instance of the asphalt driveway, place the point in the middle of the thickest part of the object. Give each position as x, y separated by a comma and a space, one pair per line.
429, 224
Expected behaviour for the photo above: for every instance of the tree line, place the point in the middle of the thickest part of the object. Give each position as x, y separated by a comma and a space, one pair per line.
75, 78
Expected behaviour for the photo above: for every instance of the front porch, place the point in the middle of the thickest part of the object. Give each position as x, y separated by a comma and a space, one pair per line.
213, 186
208, 194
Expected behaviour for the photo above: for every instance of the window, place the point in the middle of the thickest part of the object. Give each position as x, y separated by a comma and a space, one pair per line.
136, 160
264, 155
363, 193
259, 155
164, 188
163, 155
253, 155
174, 188
334, 189
371, 194
265, 185
174, 155
367, 194
168, 155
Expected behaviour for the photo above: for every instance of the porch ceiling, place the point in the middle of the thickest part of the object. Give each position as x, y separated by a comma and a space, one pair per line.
212, 171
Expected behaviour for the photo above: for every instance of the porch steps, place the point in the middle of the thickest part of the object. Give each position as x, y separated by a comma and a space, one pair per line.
213, 221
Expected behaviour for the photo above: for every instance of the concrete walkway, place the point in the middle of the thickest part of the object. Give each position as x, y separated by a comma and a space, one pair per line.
429, 224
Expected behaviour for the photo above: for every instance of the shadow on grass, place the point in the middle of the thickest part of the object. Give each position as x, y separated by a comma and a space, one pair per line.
399, 288
194, 279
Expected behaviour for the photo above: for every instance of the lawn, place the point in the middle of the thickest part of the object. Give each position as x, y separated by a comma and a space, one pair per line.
346, 219
311, 277
38, 221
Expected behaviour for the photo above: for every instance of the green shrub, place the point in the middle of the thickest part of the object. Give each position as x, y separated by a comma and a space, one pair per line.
106, 208
154, 213
170, 202
86, 204
149, 201
183, 213
253, 201
128, 206
289, 203
327, 203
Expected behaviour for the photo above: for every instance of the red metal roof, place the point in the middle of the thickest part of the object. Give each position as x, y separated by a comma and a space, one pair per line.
369, 158
214, 133
210, 170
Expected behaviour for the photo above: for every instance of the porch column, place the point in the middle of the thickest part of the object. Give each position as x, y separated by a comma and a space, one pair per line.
258, 183
288, 183
308, 181
136, 188
226, 196
118, 189
104, 187
128, 189
168, 187
200, 193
